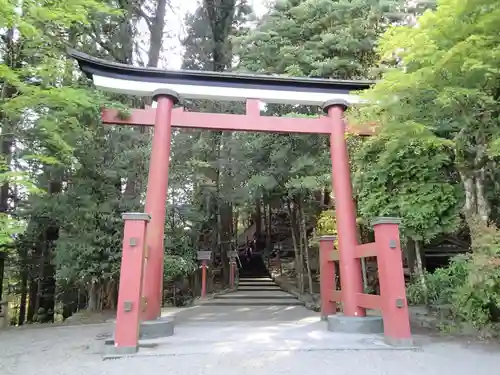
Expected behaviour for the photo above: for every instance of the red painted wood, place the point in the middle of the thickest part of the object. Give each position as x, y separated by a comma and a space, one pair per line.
156, 199
345, 212
369, 301
252, 121
392, 285
204, 279
366, 250
253, 107
132, 265
336, 295
327, 277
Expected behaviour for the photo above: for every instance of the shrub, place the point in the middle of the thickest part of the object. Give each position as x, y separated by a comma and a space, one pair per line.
177, 267
471, 284
440, 285
477, 301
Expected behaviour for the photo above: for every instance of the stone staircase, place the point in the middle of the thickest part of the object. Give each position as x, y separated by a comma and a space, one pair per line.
261, 291
255, 288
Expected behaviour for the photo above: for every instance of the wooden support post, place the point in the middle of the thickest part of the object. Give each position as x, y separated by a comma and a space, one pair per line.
204, 279
392, 284
345, 211
156, 199
131, 272
327, 276
204, 256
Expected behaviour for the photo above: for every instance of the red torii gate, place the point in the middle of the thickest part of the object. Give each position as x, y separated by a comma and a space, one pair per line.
144, 232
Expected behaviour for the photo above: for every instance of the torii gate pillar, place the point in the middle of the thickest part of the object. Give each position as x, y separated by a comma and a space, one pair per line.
156, 199
345, 210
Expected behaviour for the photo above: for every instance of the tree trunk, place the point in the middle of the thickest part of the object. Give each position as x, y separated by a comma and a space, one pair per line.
296, 250
483, 207
268, 229
226, 236
24, 285
221, 16
236, 218
24, 295
409, 252
306, 247
300, 265
476, 202
419, 271
2, 270
46, 277
8, 129
32, 296
258, 218
156, 24
363, 261
156, 30
93, 301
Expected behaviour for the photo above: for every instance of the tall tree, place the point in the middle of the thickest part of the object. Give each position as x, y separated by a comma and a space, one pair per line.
319, 38
447, 81
208, 47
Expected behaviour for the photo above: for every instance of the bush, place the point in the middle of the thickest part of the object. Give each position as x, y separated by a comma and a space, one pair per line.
471, 284
326, 225
477, 301
440, 285
177, 267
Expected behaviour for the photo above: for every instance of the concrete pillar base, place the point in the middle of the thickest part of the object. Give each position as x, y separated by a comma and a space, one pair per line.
400, 343
348, 324
112, 352
153, 329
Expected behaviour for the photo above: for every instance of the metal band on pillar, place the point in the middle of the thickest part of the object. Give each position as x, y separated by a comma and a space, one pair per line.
339, 103
156, 198
345, 211
166, 93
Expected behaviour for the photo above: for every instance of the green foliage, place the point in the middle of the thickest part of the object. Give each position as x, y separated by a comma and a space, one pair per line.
319, 38
440, 285
326, 224
447, 80
477, 301
471, 283
8, 227
177, 268
331, 39
124, 113
408, 172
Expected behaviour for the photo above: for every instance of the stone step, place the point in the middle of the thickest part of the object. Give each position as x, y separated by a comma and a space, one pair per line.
253, 302
252, 276
251, 295
258, 288
244, 283
256, 280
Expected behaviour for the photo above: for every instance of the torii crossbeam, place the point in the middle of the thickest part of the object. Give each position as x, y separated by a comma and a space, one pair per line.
167, 88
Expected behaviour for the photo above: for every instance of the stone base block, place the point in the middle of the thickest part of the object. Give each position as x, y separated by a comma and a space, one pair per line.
111, 351
404, 343
153, 329
348, 324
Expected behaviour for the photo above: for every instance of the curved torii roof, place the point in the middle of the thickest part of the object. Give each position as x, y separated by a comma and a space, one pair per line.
127, 79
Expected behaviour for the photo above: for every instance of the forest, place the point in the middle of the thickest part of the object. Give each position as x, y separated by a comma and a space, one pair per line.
66, 179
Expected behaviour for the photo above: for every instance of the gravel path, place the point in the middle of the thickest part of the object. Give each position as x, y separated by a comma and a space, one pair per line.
75, 350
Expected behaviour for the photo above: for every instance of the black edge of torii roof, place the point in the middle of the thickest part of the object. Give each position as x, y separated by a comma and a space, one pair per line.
92, 65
